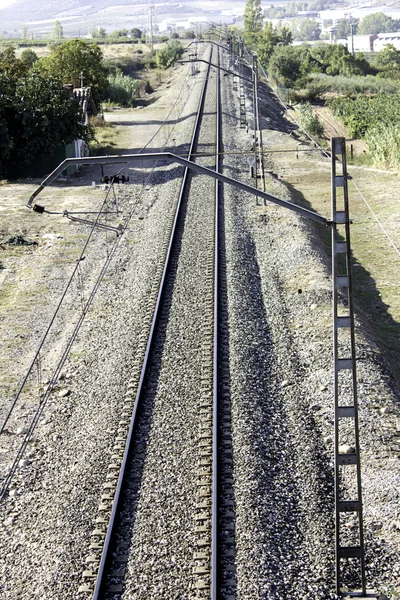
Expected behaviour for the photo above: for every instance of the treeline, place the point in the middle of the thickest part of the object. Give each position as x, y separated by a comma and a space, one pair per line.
36, 112
37, 115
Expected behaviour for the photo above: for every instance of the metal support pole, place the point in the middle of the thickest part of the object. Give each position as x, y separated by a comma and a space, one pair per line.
255, 140
348, 500
258, 124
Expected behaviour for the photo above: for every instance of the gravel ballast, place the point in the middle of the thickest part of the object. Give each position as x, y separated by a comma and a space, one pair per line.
281, 378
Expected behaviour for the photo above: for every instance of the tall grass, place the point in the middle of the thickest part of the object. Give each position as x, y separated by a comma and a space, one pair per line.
122, 89
309, 121
321, 84
384, 145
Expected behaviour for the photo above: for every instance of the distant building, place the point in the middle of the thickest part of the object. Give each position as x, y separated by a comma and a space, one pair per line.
361, 43
308, 14
383, 39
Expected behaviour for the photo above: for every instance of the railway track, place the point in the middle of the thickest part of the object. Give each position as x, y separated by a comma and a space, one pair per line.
173, 519
110, 566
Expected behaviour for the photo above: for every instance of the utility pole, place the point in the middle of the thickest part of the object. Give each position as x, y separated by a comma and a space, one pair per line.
258, 143
352, 38
150, 26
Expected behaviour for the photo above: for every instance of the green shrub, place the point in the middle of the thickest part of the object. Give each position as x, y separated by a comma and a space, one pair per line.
365, 113
170, 54
309, 121
384, 144
320, 84
122, 89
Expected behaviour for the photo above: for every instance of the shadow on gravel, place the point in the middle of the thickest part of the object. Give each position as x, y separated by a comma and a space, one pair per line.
376, 322
169, 123
273, 114
131, 493
290, 498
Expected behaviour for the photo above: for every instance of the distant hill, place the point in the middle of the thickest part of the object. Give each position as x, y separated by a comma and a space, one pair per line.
80, 16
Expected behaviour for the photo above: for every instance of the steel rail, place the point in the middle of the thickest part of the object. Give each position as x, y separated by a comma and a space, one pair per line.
215, 476
100, 581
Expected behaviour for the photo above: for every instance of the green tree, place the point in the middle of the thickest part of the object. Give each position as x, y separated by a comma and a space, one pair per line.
377, 23
175, 36
170, 54
58, 32
72, 58
253, 21
29, 57
337, 60
36, 116
189, 35
387, 59
306, 29
344, 27
387, 62
99, 32
285, 35
7, 86
285, 64
266, 42
136, 33
10, 65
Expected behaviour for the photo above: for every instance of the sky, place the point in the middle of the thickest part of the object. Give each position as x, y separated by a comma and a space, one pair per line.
4, 3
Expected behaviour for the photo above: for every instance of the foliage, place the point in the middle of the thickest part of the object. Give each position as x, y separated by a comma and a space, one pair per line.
384, 144
175, 36
269, 38
36, 116
377, 23
293, 66
189, 35
337, 60
28, 57
365, 113
122, 89
344, 27
10, 65
306, 29
285, 64
169, 55
71, 59
253, 20
136, 33
99, 32
58, 33
320, 84
285, 35
309, 121
387, 62
293, 8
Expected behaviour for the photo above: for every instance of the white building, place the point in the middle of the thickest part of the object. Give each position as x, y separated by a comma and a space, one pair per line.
361, 43
383, 39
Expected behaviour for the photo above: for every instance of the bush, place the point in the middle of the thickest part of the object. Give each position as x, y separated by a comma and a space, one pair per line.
122, 89
320, 84
384, 144
309, 121
365, 113
170, 54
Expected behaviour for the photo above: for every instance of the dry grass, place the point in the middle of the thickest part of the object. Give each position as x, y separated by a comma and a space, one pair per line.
376, 263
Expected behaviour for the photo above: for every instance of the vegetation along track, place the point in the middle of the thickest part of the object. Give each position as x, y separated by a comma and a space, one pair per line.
113, 564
